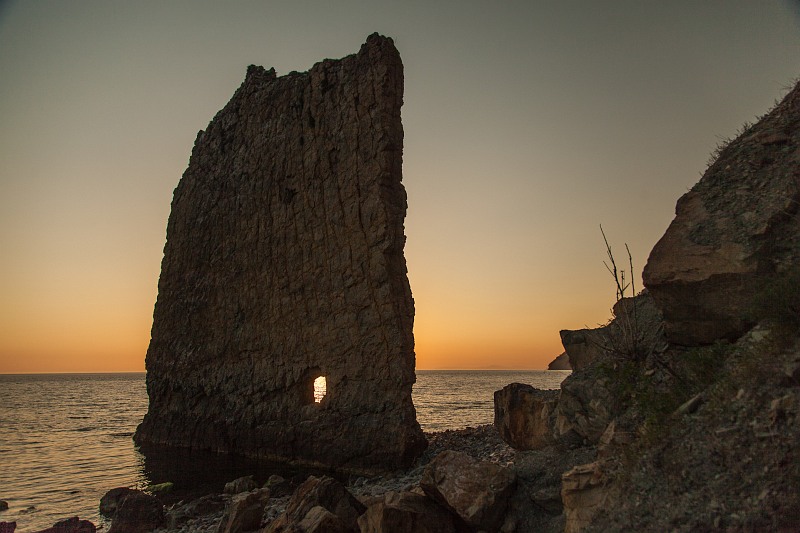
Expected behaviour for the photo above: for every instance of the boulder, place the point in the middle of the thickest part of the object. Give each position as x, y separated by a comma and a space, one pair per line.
612, 440
137, 512
71, 525
406, 512
476, 491
242, 484
244, 511
110, 501
320, 520
584, 493
205, 505
278, 486
8, 527
524, 416
284, 263
319, 492
735, 231
560, 363
3, 505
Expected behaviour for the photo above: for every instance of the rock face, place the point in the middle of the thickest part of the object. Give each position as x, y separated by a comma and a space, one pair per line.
284, 262
585, 492
560, 363
524, 416
406, 512
477, 491
314, 493
737, 228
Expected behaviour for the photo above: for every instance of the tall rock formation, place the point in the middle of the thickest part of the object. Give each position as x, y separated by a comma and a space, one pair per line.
734, 231
284, 262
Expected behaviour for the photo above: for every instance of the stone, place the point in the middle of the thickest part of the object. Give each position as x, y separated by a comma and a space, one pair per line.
319, 492
476, 491
320, 520
242, 484
283, 263
244, 512
205, 505
3, 505
560, 363
524, 416
8, 527
71, 525
584, 493
110, 501
734, 232
691, 405
406, 512
585, 408
612, 440
278, 486
137, 512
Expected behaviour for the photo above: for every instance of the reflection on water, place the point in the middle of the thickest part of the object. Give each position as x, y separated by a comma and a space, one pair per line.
65, 439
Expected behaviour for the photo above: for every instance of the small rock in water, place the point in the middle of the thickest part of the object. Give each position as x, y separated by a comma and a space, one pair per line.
110, 501
137, 513
8, 527
71, 525
3, 505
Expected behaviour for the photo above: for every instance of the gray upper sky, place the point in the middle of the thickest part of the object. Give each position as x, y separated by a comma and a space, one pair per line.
527, 124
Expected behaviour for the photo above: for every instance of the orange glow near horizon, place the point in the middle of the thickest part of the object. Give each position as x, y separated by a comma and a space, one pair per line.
526, 125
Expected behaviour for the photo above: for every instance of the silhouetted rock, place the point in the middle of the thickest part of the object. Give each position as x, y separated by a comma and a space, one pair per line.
560, 363
71, 525
406, 512
284, 262
203, 506
476, 491
3, 505
8, 527
319, 492
111, 500
137, 512
736, 229
524, 416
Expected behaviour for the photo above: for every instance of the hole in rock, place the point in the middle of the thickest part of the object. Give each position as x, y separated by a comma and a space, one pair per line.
320, 389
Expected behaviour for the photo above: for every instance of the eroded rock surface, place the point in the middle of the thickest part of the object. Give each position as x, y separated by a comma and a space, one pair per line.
524, 416
284, 262
736, 229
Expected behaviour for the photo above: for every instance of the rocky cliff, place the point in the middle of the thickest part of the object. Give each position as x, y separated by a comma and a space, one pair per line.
284, 263
733, 232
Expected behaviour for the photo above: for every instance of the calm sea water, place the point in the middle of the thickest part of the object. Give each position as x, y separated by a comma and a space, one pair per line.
65, 439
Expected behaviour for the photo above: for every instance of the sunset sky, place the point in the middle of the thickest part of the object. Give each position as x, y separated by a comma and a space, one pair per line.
527, 124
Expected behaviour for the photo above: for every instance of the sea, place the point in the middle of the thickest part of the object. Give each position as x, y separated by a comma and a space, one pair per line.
66, 439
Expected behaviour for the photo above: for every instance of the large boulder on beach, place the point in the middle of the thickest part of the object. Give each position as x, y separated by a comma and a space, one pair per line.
284, 263
242, 484
322, 492
736, 230
406, 512
476, 491
524, 416
137, 512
